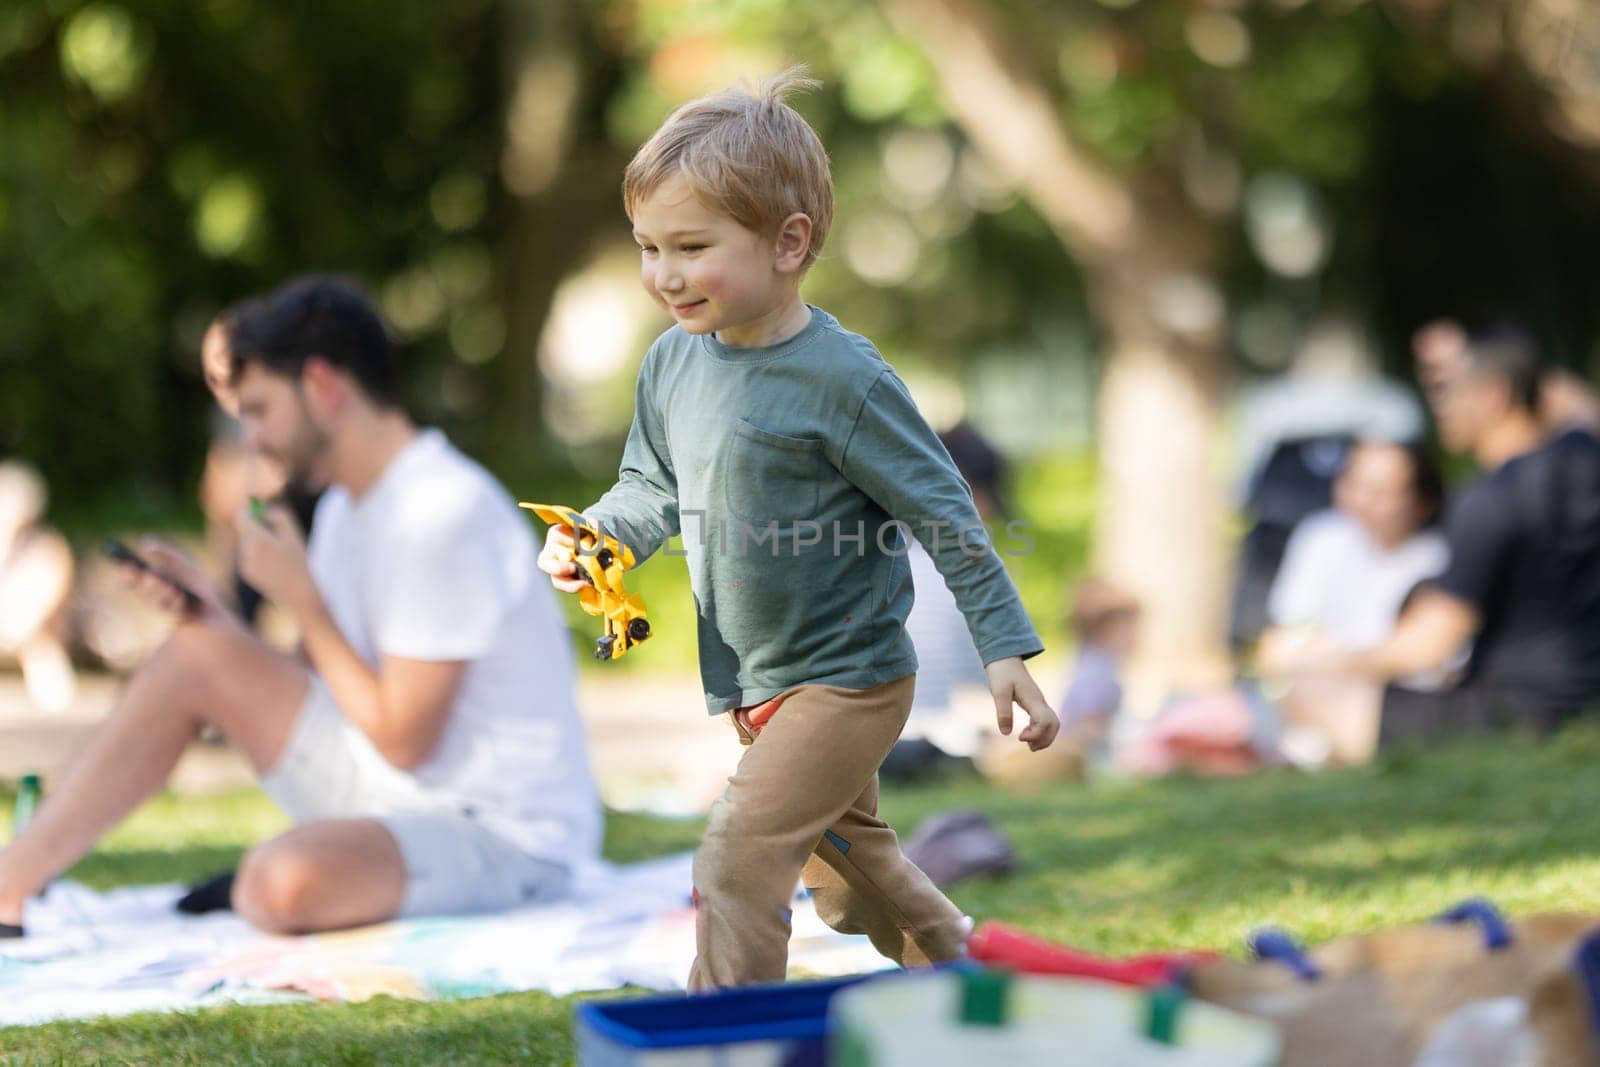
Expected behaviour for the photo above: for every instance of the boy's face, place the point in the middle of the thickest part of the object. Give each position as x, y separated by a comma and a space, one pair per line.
709, 272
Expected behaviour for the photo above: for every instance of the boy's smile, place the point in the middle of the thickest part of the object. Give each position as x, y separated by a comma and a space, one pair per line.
712, 274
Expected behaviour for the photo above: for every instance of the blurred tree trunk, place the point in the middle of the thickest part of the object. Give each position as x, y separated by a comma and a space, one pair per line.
1147, 257
558, 82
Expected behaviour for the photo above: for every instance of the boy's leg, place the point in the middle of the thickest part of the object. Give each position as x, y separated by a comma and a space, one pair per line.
808, 766
862, 883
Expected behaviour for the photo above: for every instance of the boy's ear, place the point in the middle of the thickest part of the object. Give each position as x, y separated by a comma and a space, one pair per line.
794, 242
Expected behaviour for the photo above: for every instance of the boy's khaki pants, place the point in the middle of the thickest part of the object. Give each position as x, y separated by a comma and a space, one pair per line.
804, 800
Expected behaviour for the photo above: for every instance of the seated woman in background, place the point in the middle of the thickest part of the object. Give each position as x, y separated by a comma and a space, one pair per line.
1346, 575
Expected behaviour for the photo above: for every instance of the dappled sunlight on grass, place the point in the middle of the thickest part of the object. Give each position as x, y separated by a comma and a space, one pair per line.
1127, 866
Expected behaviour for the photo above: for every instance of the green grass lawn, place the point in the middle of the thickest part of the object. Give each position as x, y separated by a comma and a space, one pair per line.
1115, 868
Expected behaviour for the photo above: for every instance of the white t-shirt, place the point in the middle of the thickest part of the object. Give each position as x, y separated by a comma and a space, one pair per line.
435, 562
1336, 577
947, 660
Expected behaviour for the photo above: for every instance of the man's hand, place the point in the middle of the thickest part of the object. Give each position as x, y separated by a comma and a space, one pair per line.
1010, 683
558, 559
272, 558
175, 563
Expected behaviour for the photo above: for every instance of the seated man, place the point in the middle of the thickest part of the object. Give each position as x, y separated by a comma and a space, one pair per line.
431, 756
1523, 582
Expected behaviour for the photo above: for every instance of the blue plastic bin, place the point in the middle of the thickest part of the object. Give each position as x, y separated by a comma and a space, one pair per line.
784, 1024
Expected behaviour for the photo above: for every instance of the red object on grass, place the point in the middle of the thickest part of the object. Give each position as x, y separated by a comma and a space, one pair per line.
1005, 946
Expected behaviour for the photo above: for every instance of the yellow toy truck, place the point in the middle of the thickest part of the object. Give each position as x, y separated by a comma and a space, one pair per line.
602, 560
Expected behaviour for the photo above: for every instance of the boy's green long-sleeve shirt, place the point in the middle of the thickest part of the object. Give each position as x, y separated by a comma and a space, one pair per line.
785, 469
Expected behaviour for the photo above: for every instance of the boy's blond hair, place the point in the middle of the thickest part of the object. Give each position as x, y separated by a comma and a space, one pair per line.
747, 154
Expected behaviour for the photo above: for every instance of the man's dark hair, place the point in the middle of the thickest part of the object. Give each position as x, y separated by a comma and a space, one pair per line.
1509, 353
316, 315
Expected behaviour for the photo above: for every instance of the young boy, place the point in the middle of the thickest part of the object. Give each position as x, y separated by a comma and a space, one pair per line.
783, 448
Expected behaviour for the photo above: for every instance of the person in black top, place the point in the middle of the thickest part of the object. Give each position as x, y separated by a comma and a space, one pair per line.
1523, 584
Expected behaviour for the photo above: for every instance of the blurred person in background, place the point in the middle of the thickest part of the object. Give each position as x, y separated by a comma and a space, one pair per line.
1564, 400
36, 572
1523, 582
1439, 349
1568, 402
1294, 432
235, 475
949, 661
1105, 621
1345, 576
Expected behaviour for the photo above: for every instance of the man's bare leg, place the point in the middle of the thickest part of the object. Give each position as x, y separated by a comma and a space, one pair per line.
207, 672
322, 876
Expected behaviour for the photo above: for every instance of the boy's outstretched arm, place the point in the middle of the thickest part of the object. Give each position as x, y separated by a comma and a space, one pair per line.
1010, 683
641, 509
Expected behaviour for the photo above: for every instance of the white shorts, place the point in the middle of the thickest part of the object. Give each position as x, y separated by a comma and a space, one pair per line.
329, 769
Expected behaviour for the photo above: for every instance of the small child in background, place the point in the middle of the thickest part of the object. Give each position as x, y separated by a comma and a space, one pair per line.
1105, 621
36, 571
793, 461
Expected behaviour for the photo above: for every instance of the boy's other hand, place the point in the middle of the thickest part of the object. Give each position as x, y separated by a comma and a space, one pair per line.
1010, 683
559, 559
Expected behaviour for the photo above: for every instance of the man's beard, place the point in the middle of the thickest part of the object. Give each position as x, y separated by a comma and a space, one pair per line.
305, 457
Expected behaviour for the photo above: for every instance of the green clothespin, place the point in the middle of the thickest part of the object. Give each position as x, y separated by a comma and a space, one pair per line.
258, 510
985, 997
1163, 1006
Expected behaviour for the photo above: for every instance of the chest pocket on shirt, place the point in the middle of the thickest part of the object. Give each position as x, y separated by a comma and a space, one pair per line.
772, 477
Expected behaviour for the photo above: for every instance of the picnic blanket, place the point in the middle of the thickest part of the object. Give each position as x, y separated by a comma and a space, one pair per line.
128, 950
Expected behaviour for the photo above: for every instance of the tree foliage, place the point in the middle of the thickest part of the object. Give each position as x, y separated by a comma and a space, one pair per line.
163, 159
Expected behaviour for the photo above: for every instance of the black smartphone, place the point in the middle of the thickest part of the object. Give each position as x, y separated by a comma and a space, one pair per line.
121, 553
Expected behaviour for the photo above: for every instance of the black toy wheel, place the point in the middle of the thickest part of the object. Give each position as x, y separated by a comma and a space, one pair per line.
639, 629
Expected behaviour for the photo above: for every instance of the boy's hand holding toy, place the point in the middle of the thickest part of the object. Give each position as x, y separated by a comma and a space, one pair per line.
582, 559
